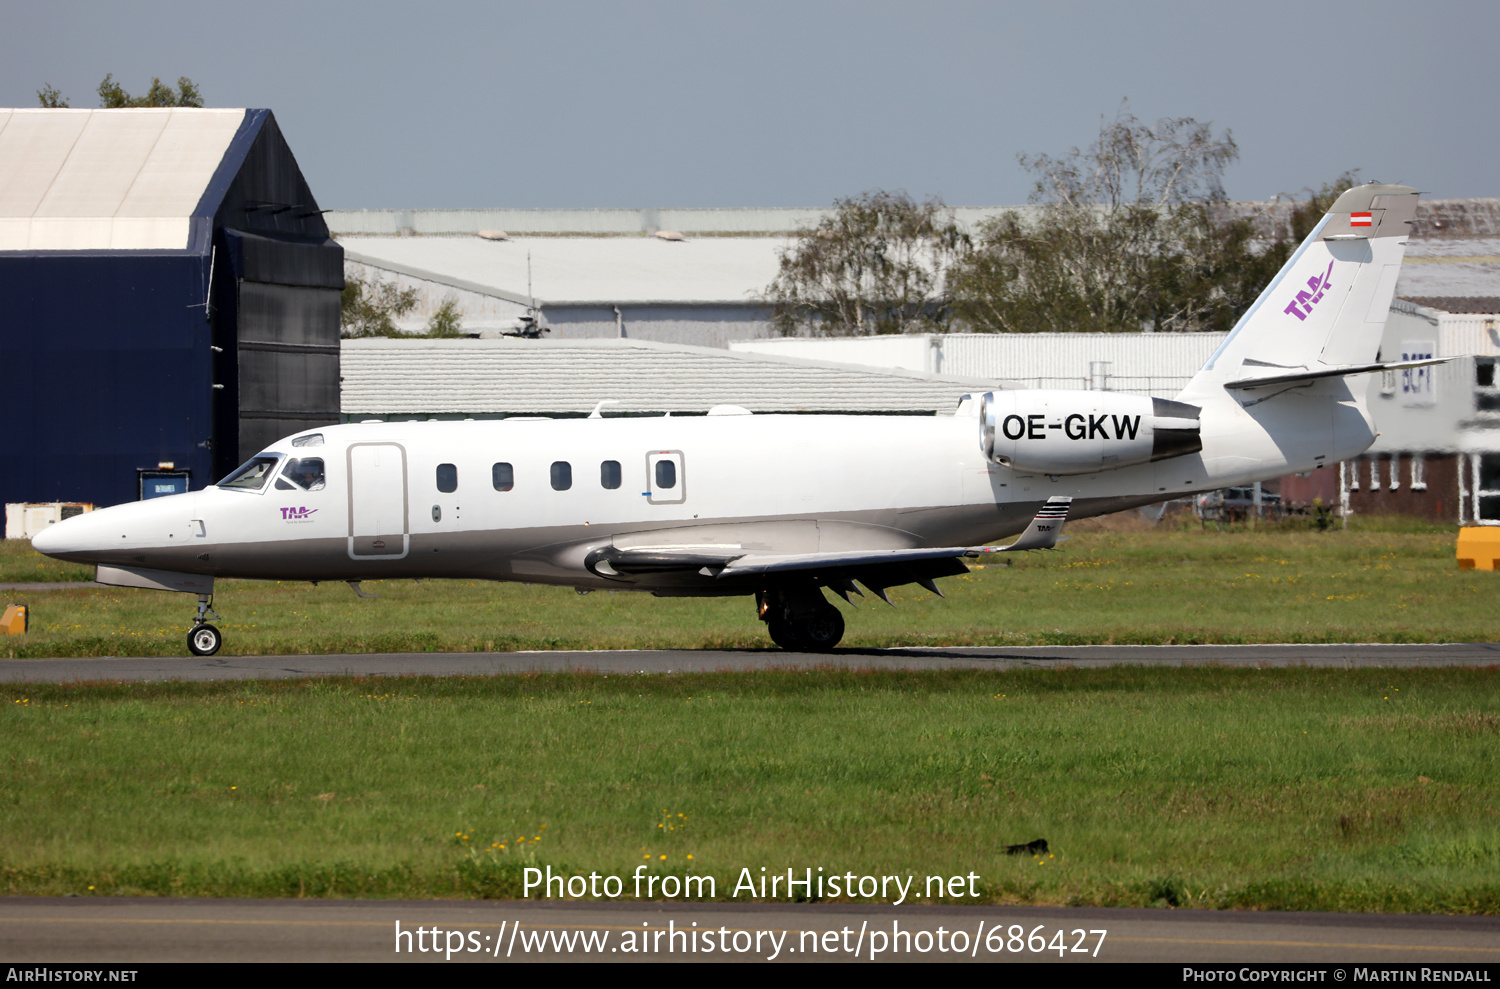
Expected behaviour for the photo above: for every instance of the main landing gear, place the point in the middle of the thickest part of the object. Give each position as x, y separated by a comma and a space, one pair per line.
205, 639
800, 619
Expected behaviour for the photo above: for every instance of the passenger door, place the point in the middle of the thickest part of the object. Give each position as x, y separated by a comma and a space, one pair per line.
378, 525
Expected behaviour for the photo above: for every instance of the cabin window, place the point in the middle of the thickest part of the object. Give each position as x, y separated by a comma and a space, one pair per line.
609, 474
306, 473
252, 475
504, 476
562, 475
447, 478
666, 474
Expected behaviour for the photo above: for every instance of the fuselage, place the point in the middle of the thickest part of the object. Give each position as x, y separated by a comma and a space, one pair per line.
530, 499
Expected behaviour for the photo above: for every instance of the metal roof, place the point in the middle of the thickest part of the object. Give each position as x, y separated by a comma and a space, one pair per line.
126, 179
488, 377
584, 270
712, 220
1448, 268
576, 271
1157, 364
1486, 305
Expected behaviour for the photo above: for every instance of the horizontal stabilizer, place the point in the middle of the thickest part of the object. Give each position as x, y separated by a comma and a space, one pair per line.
1336, 371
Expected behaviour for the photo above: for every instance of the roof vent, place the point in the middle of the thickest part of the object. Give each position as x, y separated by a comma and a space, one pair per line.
494, 235
672, 235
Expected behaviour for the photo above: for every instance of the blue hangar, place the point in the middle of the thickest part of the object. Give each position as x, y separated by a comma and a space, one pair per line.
169, 299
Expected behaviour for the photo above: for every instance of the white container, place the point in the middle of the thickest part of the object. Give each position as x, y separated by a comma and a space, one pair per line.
25, 519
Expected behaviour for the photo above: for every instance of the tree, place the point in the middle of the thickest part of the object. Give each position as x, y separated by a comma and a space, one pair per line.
446, 322
370, 309
50, 98
113, 96
1133, 233
877, 264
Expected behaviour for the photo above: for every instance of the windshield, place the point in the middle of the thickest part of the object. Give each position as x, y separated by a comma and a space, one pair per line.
252, 475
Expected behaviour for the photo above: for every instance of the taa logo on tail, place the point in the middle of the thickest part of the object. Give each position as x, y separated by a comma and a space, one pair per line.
1302, 305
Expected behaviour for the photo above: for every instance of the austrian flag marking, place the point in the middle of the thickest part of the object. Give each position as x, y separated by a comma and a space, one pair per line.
1361, 219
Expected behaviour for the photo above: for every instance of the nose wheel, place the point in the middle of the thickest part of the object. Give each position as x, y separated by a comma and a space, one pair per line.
205, 639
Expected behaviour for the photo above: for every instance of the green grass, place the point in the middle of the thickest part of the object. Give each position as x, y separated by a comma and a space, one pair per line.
1380, 581
1211, 787
19, 563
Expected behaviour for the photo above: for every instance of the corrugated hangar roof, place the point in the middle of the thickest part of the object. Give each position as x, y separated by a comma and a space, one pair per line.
125, 179
614, 270
1450, 268
1481, 305
489, 377
584, 270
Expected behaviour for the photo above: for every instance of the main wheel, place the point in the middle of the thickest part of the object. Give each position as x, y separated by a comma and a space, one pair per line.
822, 630
783, 635
204, 640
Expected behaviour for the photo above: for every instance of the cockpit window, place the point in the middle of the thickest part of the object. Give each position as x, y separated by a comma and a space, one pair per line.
311, 439
306, 473
252, 475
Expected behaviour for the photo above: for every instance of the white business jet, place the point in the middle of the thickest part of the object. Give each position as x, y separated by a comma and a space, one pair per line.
781, 506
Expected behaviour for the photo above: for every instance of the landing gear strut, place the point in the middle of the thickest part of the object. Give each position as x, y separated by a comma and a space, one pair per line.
800, 619
205, 639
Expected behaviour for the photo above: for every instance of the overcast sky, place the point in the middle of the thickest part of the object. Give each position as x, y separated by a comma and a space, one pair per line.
771, 103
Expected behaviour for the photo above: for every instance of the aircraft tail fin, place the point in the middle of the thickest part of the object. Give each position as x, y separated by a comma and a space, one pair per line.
1325, 310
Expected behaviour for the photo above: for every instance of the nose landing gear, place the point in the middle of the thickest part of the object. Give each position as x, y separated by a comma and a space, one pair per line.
801, 619
205, 639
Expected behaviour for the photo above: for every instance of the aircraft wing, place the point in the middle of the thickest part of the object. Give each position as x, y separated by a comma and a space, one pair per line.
876, 569
1043, 533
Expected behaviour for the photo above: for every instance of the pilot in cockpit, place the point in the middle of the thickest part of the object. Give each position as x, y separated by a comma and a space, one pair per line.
307, 473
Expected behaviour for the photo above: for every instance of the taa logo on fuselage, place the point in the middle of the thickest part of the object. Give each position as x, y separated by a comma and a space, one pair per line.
1302, 305
297, 514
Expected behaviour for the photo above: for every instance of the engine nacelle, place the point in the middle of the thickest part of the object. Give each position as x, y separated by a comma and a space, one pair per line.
1081, 432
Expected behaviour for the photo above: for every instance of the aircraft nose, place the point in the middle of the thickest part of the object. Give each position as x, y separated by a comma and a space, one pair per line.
48, 541
79, 534
144, 524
